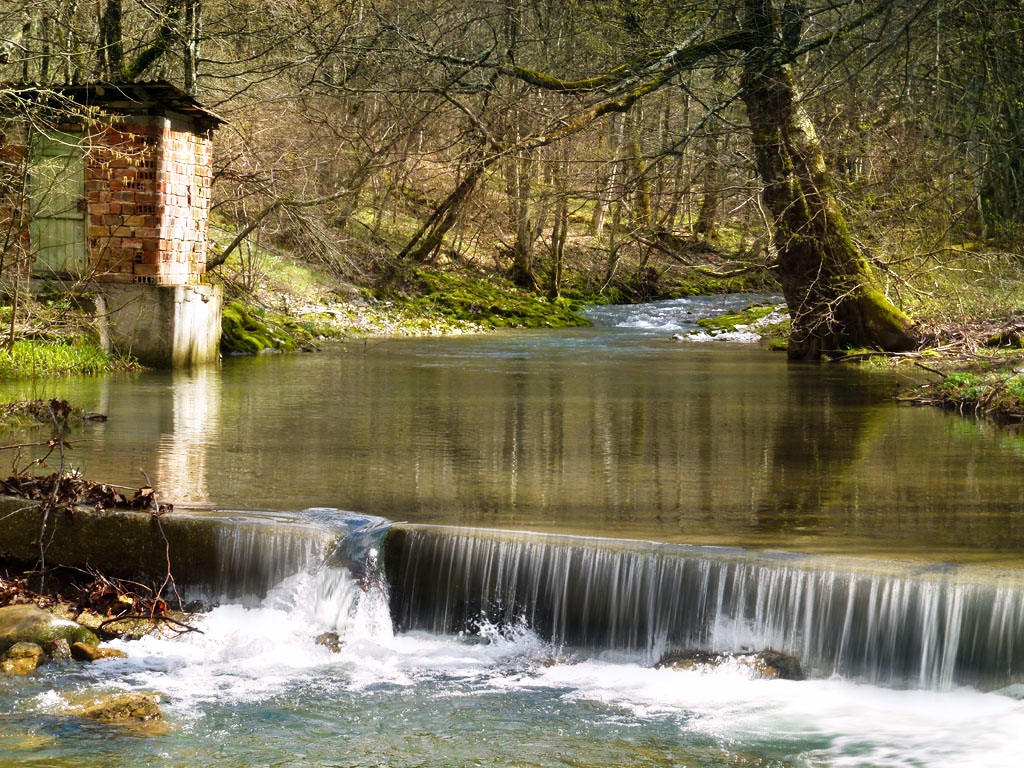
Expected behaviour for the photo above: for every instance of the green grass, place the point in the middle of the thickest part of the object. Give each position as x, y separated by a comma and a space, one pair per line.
998, 394
254, 268
29, 358
963, 387
959, 283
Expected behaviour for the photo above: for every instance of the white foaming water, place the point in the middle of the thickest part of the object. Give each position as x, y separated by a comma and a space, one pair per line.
245, 656
742, 337
859, 725
673, 315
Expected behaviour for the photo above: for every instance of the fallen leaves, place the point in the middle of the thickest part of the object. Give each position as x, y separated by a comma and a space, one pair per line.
69, 490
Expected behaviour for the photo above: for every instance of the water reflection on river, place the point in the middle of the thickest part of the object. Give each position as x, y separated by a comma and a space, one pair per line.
612, 431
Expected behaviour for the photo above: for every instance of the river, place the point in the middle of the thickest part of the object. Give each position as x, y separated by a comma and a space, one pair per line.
800, 506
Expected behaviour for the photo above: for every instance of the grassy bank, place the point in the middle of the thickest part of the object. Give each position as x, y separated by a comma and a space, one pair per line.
53, 336
39, 359
980, 380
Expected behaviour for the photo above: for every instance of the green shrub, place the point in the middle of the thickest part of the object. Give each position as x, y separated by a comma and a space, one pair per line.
964, 387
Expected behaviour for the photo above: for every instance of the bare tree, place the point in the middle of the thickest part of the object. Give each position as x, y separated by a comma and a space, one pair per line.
828, 282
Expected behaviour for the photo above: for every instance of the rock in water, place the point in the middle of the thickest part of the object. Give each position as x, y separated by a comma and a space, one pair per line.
122, 708
92, 652
59, 650
766, 664
692, 660
22, 658
330, 640
27, 623
780, 666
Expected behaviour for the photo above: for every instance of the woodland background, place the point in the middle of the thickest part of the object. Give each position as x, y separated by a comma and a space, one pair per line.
593, 149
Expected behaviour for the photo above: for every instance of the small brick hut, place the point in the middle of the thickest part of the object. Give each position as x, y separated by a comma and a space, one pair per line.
149, 207
119, 195
148, 163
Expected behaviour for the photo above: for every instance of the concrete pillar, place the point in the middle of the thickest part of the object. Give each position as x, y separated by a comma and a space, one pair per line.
165, 326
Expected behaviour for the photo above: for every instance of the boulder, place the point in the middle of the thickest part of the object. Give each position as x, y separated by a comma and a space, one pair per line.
122, 708
690, 659
27, 623
22, 658
92, 652
766, 664
125, 627
778, 666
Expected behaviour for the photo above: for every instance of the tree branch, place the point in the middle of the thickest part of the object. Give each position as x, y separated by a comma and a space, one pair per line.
165, 35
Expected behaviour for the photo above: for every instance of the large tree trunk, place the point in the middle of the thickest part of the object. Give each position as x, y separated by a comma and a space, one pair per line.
833, 298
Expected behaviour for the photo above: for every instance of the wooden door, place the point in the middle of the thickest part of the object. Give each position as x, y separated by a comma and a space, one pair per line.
58, 204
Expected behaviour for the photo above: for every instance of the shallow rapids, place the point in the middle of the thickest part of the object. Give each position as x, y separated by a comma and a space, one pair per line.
253, 687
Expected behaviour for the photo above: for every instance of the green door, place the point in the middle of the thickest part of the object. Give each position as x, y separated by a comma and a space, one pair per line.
58, 204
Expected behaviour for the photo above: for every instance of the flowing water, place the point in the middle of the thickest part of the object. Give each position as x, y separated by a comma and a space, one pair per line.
572, 505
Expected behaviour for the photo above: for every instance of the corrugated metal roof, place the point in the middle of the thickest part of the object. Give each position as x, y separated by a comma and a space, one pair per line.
148, 98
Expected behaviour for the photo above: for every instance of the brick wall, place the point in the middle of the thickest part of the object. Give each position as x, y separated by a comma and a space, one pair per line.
148, 189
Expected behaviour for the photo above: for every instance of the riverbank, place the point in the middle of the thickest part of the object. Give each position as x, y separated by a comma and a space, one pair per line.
971, 362
416, 303
975, 368
974, 365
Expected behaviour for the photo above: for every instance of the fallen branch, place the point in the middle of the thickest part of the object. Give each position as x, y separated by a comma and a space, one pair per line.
180, 627
156, 513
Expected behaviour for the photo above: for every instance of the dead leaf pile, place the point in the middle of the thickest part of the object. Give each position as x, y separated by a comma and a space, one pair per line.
67, 491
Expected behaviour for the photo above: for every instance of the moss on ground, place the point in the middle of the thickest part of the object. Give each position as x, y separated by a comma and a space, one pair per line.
486, 303
745, 318
246, 330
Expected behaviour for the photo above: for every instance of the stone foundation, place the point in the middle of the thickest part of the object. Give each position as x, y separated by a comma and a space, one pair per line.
172, 326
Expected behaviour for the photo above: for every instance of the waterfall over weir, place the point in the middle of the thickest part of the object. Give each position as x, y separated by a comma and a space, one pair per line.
896, 624
252, 555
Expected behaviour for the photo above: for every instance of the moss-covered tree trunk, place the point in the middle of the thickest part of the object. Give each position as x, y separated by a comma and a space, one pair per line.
831, 292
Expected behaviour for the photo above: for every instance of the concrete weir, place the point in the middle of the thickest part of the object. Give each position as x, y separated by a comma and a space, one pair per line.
219, 554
